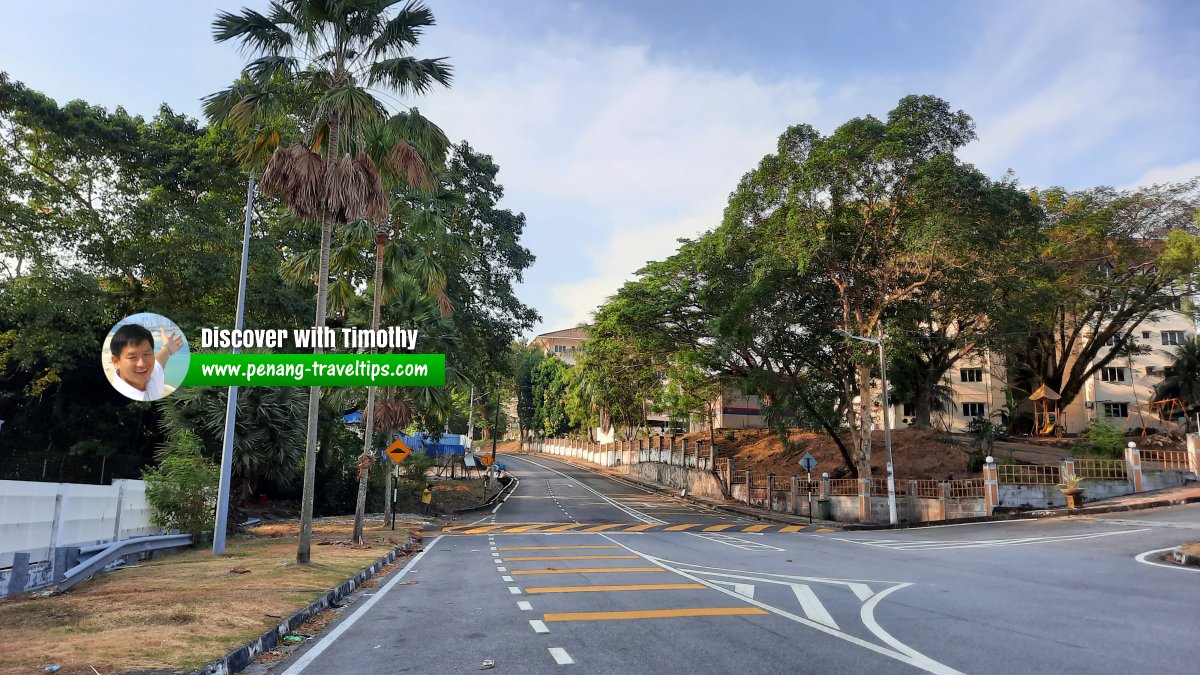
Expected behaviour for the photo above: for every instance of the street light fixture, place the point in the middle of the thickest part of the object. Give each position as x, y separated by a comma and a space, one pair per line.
887, 421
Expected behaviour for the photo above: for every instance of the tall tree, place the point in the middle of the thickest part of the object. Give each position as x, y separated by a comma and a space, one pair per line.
1113, 260
337, 51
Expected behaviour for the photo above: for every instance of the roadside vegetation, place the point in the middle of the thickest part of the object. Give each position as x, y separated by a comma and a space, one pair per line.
879, 228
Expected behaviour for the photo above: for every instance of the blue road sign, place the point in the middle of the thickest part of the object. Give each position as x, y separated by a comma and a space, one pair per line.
808, 462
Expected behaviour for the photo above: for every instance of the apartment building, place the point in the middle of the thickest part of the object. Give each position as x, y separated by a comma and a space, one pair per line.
561, 343
1112, 393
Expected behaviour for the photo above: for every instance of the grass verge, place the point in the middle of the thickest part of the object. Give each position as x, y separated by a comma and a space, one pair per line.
185, 609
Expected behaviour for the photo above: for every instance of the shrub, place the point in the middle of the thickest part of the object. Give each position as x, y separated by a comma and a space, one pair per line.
1105, 439
730, 436
182, 490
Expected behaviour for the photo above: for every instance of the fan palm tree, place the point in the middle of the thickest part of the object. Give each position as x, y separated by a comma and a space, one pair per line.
1181, 379
335, 52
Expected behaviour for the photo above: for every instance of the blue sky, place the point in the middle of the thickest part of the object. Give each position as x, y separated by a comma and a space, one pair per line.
620, 126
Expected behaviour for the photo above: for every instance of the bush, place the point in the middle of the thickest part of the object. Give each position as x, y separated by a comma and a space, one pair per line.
182, 490
730, 436
1105, 439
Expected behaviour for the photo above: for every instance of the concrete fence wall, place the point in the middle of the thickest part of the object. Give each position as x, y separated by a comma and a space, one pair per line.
672, 463
38, 518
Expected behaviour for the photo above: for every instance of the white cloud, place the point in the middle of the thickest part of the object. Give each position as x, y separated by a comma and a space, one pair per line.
634, 152
1176, 173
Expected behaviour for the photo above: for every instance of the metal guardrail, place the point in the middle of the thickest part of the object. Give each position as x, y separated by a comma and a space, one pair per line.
103, 554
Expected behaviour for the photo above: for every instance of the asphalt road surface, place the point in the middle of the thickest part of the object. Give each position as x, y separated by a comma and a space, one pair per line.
578, 571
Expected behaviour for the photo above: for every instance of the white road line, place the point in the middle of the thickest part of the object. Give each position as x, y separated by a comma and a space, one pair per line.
942, 545
323, 644
514, 590
615, 504
1141, 557
741, 589
506, 578
812, 607
524, 606
561, 657
538, 627
907, 655
493, 548
501, 568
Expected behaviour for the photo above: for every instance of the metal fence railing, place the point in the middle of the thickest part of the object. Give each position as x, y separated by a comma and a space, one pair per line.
1102, 469
969, 488
843, 486
879, 486
927, 489
1024, 474
1164, 460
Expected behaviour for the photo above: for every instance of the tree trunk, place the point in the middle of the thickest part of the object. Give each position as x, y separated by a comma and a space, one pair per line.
304, 549
866, 421
368, 456
923, 412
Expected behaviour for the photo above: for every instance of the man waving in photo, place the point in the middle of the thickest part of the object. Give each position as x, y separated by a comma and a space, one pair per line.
139, 369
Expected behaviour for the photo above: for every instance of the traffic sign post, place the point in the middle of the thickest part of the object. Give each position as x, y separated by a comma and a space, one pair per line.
398, 451
808, 463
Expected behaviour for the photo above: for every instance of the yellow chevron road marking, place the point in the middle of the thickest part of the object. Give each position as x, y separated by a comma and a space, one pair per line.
603, 589
550, 548
588, 570
654, 614
572, 557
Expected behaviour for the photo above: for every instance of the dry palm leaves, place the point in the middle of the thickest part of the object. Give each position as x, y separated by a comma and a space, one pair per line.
363, 464
392, 413
406, 162
343, 190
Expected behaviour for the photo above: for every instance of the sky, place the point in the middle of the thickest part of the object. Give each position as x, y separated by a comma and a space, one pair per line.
621, 126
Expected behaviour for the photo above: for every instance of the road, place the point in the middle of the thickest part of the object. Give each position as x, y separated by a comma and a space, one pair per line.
579, 571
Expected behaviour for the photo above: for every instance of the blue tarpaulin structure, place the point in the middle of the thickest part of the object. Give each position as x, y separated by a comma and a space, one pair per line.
448, 444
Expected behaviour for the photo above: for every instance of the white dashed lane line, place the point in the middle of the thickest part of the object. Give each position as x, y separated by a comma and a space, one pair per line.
538, 627
561, 657
524, 606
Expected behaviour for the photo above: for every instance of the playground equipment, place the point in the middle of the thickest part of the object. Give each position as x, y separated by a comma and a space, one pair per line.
1046, 414
1165, 410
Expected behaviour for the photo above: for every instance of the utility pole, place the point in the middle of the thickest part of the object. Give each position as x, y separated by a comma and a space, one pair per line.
887, 433
231, 405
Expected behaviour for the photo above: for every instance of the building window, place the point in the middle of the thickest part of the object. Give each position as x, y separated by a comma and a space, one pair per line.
1145, 335
1112, 341
908, 410
1150, 370
1114, 306
558, 349
1110, 374
1177, 304
971, 374
1110, 409
973, 410
1172, 337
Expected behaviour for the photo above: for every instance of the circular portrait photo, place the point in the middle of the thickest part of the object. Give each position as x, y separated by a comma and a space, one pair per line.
145, 356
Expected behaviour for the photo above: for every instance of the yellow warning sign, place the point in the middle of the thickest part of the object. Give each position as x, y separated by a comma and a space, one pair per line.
398, 451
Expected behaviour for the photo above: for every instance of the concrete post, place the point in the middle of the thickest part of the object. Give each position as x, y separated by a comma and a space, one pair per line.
120, 508
1133, 461
796, 495
1068, 467
729, 478
712, 457
944, 498
749, 487
770, 492
913, 515
1193, 451
991, 488
824, 487
671, 452
641, 450
684, 454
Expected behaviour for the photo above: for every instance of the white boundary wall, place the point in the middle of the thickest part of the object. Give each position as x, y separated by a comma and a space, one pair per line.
39, 517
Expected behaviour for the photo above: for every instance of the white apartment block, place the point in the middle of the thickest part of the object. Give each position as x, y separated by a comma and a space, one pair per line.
978, 383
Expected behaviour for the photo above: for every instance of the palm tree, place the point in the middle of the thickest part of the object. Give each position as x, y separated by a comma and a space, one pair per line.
1182, 378
334, 52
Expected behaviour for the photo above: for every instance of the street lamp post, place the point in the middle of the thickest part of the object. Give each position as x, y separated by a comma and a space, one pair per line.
887, 421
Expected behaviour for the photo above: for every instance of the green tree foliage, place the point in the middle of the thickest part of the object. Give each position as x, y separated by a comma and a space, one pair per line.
1112, 260
182, 489
551, 384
